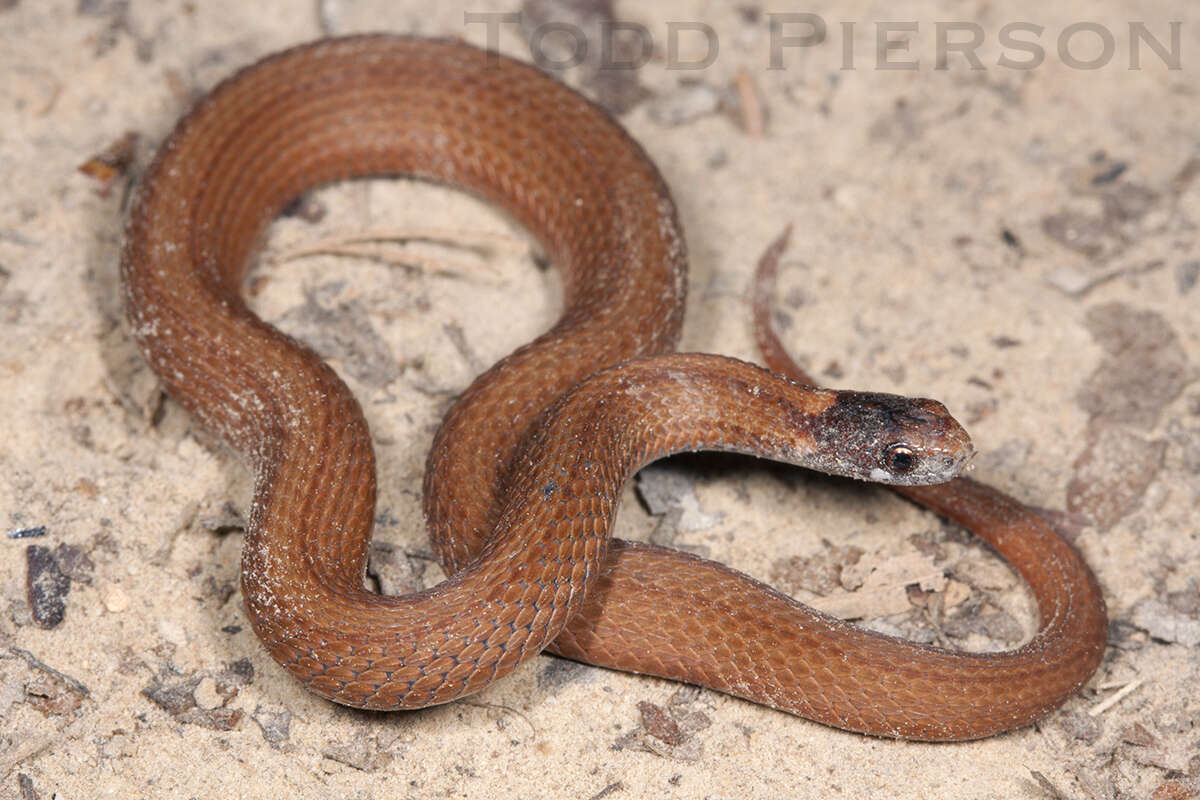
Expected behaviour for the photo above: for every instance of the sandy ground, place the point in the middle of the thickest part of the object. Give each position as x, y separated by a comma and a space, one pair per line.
1019, 243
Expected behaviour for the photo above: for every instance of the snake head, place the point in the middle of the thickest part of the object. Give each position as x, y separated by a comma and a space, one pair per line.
891, 439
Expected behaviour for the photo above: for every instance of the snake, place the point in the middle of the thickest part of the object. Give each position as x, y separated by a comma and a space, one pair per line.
525, 473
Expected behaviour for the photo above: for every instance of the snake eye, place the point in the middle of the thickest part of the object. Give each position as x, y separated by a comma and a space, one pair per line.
899, 458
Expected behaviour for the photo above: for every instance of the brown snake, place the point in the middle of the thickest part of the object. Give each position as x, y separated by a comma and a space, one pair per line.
525, 473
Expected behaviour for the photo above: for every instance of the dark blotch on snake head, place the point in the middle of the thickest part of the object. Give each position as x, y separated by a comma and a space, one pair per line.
893, 439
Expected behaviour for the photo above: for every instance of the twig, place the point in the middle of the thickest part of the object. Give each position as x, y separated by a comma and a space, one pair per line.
1116, 697
357, 246
33, 661
497, 707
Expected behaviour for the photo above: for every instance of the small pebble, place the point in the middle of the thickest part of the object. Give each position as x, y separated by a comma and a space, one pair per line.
115, 600
207, 696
